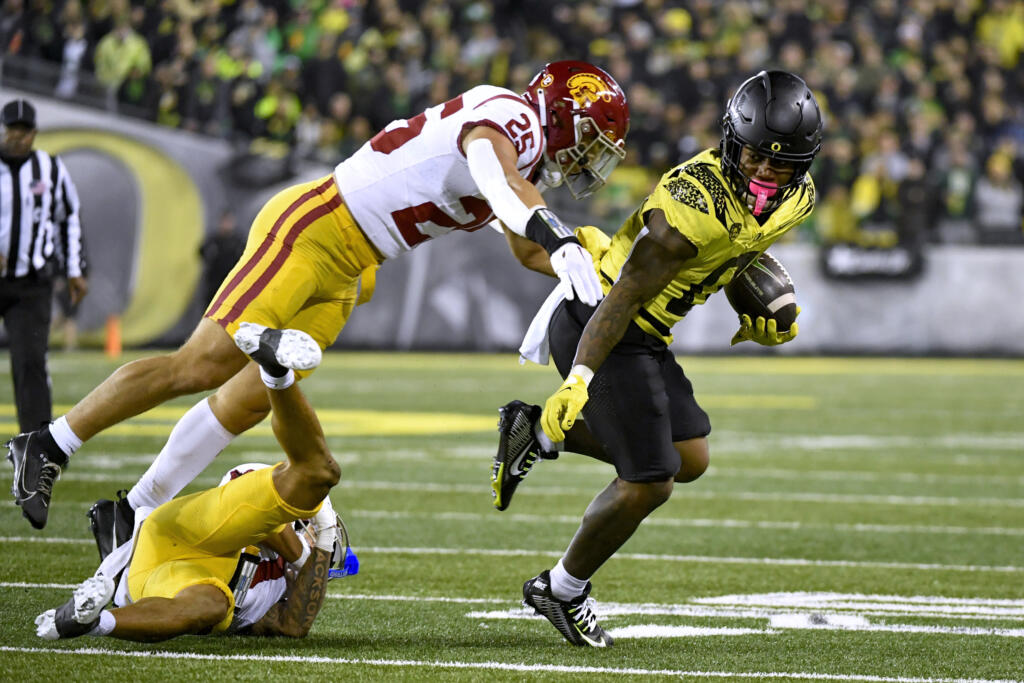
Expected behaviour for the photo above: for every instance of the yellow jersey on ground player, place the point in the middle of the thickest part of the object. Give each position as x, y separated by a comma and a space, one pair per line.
698, 202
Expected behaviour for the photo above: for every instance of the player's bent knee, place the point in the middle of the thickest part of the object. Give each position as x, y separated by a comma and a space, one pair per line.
694, 457
648, 494
323, 473
660, 491
330, 473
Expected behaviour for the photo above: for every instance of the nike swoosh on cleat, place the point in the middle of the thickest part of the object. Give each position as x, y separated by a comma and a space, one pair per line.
514, 469
593, 643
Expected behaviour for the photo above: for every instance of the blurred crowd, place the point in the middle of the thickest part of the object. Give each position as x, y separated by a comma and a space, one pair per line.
925, 124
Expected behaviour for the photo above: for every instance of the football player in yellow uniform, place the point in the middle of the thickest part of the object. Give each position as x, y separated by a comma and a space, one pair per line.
183, 571
705, 220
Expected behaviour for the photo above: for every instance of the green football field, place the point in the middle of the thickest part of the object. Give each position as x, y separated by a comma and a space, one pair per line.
862, 520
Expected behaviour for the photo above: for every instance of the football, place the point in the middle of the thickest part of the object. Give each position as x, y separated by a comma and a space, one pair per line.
764, 288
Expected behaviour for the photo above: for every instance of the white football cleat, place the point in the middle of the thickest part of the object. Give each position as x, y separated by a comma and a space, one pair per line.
80, 614
277, 350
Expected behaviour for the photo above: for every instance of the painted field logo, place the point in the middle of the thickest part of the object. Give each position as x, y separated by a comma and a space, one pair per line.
782, 611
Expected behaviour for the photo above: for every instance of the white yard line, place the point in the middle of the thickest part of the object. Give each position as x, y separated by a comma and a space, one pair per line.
737, 606
690, 493
104, 462
490, 666
693, 522
802, 622
698, 559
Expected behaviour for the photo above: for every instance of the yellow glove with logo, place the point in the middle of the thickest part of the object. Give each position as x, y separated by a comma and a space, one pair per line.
561, 409
763, 331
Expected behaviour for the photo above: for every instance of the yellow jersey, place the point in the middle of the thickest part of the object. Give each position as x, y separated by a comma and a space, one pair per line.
698, 202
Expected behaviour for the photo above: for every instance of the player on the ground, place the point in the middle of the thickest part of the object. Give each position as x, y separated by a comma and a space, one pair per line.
313, 250
705, 219
187, 570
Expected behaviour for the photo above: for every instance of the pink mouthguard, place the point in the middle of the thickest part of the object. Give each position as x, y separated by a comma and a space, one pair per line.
764, 191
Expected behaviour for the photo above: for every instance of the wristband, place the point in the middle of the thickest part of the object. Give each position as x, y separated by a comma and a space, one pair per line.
548, 231
583, 372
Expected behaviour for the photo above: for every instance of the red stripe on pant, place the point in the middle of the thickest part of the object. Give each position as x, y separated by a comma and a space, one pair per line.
266, 244
282, 255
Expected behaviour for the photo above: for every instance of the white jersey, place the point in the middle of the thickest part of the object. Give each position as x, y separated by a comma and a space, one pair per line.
411, 182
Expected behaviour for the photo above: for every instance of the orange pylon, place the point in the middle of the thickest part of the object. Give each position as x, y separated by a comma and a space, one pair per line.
112, 342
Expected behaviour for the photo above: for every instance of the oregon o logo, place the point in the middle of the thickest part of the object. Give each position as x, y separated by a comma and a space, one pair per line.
776, 147
170, 228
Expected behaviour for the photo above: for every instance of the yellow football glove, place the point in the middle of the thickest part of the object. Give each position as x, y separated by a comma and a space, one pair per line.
763, 331
561, 409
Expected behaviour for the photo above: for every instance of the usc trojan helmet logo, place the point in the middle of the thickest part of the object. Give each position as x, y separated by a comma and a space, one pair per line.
587, 88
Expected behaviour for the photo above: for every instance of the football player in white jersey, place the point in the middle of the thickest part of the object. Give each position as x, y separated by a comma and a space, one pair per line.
314, 248
190, 566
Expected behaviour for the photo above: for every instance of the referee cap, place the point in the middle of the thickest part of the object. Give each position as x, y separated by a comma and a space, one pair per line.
18, 111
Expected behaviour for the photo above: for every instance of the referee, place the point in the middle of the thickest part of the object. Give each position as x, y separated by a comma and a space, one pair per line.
40, 235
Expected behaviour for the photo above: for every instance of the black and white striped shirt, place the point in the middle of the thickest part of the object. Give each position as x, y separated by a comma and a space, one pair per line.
38, 217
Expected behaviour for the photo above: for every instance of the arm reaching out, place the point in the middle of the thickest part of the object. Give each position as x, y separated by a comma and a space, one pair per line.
658, 254
518, 204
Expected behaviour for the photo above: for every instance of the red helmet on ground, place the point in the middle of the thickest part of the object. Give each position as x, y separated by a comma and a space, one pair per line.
585, 119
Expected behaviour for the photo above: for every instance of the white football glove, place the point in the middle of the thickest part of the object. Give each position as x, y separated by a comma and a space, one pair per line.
575, 269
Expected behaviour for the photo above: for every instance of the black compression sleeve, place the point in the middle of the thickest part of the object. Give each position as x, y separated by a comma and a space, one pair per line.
545, 229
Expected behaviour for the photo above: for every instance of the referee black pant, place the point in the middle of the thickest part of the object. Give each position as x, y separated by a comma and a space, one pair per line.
26, 307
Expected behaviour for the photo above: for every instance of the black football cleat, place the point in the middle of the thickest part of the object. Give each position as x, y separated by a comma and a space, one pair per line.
575, 619
35, 470
80, 613
111, 523
518, 450
277, 351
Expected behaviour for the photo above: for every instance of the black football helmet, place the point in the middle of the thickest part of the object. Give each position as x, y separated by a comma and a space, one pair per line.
776, 114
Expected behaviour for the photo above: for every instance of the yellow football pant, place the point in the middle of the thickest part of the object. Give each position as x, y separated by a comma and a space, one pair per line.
198, 539
302, 266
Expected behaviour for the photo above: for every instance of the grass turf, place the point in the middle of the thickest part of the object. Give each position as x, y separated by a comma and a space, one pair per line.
886, 495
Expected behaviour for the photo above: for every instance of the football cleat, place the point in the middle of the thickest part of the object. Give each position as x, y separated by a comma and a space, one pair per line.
111, 522
277, 351
80, 613
518, 450
34, 473
575, 619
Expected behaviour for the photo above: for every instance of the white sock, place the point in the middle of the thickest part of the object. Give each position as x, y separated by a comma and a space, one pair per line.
194, 442
65, 437
278, 382
105, 626
545, 441
564, 585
